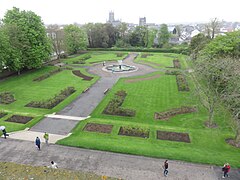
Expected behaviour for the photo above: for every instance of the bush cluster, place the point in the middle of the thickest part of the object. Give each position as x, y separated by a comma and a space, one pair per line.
182, 83
114, 106
120, 54
82, 60
6, 98
173, 112
50, 103
177, 64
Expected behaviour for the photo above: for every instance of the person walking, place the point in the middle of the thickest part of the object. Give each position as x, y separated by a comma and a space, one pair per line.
226, 170
165, 168
46, 137
4, 132
38, 143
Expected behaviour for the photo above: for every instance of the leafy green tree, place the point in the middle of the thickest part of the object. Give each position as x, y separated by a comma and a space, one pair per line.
31, 40
139, 37
75, 39
197, 43
163, 35
151, 36
224, 46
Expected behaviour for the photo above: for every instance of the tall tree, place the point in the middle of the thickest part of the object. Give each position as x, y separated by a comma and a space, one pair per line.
212, 28
75, 39
57, 39
34, 46
139, 37
163, 35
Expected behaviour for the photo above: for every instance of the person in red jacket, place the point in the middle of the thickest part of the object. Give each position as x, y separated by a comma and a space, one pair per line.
226, 170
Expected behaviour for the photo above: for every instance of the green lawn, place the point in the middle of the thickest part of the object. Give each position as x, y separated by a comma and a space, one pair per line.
25, 90
161, 60
96, 57
157, 95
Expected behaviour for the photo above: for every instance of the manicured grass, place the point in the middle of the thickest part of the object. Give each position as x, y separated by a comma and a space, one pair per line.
161, 60
96, 57
157, 95
25, 90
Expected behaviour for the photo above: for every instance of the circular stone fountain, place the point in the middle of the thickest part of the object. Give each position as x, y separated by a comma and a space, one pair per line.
119, 67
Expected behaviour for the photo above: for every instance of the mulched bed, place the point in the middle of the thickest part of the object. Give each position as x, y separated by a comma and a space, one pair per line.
173, 136
133, 131
19, 119
232, 142
79, 74
142, 79
2, 114
101, 128
6, 98
173, 112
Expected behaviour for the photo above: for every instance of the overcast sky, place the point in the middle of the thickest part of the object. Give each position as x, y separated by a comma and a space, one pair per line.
156, 11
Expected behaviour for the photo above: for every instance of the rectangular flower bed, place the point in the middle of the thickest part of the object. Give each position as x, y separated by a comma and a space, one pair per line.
134, 131
19, 119
173, 136
101, 128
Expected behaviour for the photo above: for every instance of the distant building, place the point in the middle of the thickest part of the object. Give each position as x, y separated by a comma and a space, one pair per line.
112, 20
142, 21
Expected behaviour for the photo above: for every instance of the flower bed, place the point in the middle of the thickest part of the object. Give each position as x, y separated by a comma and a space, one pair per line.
19, 119
6, 98
114, 106
176, 64
47, 75
50, 103
172, 72
102, 128
173, 112
182, 83
83, 59
173, 136
134, 131
79, 74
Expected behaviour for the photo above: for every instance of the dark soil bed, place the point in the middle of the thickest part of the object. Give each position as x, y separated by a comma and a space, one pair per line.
102, 128
19, 119
173, 136
2, 114
134, 131
79, 74
232, 142
6, 98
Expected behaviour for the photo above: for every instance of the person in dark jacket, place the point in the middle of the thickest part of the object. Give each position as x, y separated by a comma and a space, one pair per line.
38, 143
5, 133
165, 168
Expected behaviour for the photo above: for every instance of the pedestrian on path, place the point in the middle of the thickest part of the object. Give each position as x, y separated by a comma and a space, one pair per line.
38, 142
3, 128
54, 165
226, 170
46, 137
165, 168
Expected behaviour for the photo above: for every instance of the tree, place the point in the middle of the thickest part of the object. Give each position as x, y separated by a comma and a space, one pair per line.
151, 37
57, 39
163, 35
224, 46
75, 39
30, 40
197, 43
139, 37
212, 28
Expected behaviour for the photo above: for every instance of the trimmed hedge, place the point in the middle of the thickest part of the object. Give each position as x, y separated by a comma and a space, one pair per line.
114, 106
50, 103
160, 50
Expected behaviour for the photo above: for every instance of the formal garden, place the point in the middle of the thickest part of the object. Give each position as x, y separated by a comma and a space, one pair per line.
156, 115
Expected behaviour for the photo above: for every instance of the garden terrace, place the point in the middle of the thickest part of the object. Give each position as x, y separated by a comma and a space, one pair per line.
6, 98
19, 119
173, 112
173, 136
81, 75
101, 128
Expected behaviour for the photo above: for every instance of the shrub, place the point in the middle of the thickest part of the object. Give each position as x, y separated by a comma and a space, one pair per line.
120, 54
172, 72
182, 83
134, 131
176, 63
6, 98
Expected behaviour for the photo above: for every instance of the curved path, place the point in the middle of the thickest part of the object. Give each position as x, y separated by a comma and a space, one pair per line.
102, 163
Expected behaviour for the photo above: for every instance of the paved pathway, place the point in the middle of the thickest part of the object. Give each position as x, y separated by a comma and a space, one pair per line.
124, 166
